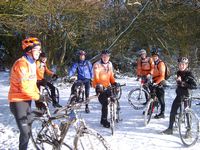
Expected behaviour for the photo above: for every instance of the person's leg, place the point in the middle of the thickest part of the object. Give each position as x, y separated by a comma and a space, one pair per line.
53, 94
22, 114
87, 92
103, 99
175, 105
160, 95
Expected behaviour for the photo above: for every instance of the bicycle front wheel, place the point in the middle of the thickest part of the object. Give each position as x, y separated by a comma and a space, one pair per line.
137, 98
148, 111
188, 128
112, 117
88, 139
43, 138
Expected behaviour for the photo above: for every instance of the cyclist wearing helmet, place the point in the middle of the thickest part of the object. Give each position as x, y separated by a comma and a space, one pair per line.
85, 73
41, 70
23, 88
145, 66
185, 81
159, 79
103, 78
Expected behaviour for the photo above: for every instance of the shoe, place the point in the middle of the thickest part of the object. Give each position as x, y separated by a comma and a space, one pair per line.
87, 110
105, 123
56, 104
144, 103
158, 116
168, 131
188, 134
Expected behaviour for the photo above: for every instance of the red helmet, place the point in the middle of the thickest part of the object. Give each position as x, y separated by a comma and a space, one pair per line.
29, 43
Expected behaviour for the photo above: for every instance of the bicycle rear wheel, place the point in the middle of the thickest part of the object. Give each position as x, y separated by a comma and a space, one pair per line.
137, 98
188, 128
148, 111
88, 139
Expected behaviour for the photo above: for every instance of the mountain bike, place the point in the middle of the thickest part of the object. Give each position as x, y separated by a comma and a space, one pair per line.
151, 104
188, 122
49, 132
45, 90
114, 105
137, 97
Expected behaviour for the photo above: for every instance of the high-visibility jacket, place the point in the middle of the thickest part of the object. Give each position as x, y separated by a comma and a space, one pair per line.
145, 66
103, 74
159, 71
41, 69
23, 81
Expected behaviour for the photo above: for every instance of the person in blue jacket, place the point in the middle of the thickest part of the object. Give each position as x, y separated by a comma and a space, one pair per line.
84, 70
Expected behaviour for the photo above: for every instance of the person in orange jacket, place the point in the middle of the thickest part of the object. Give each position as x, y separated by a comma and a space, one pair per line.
23, 88
103, 78
145, 67
41, 69
159, 81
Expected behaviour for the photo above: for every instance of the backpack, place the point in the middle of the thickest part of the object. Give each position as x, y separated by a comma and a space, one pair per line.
167, 70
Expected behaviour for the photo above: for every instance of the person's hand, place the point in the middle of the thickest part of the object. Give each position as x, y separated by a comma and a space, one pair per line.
40, 105
54, 76
99, 89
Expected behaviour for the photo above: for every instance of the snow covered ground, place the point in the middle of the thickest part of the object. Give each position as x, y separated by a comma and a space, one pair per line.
131, 134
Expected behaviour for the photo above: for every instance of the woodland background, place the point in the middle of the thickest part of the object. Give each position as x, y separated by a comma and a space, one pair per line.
64, 26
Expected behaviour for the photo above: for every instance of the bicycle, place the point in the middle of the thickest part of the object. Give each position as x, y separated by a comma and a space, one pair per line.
45, 133
188, 122
45, 90
151, 104
114, 105
137, 97
78, 95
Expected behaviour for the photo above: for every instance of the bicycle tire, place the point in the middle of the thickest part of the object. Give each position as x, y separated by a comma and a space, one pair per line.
112, 118
118, 93
188, 128
148, 111
90, 140
42, 138
57, 95
136, 98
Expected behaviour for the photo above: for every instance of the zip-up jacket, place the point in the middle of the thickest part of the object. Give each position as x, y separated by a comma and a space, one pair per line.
159, 71
23, 81
103, 74
145, 66
42, 69
84, 70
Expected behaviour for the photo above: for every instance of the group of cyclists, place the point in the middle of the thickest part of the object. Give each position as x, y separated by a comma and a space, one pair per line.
27, 75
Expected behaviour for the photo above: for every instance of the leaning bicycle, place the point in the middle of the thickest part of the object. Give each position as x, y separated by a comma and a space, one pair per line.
137, 97
49, 131
188, 123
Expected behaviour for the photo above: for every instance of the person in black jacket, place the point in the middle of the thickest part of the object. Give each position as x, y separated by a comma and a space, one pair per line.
185, 81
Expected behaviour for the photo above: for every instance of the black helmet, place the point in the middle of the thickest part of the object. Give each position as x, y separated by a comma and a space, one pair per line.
105, 51
42, 54
81, 52
183, 60
155, 51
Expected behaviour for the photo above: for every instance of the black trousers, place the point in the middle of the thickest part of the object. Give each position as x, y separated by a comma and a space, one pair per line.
160, 93
86, 82
103, 99
22, 114
51, 87
175, 106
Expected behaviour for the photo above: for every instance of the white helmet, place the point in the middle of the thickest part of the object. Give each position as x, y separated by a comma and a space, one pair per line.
142, 51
